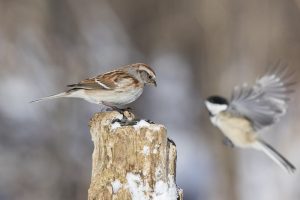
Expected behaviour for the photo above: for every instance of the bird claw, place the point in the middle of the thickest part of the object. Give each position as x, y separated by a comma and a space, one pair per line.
129, 122
128, 117
124, 121
111, 107
116, 121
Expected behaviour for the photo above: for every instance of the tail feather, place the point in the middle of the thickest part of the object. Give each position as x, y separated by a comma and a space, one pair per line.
63, 94
275, 156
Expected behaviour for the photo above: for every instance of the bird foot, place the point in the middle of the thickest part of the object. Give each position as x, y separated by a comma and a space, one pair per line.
125, 121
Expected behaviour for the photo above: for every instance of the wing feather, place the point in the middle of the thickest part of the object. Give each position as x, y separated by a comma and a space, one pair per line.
114, 80
265, 101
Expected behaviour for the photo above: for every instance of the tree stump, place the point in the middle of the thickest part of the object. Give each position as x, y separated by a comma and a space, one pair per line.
132, 162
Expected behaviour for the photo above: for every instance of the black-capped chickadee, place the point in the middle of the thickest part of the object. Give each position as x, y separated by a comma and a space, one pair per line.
251, 109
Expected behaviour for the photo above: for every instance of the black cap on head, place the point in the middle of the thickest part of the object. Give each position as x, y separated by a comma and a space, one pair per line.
217, 100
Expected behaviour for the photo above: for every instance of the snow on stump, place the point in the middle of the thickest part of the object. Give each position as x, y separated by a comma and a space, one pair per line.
132, 162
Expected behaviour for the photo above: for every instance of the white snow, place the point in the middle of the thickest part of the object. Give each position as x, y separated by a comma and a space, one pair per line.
116, 185
146, 150
141, 191
142, 123
116, 124
163, 191
137, 189
160, 187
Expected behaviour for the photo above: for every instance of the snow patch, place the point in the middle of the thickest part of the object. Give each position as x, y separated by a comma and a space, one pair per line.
116, 185
141, 191
142, 123
116, 124
146, 150
163, 191
136, 187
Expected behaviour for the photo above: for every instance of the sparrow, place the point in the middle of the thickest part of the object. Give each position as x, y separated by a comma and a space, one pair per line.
113, 89
251, 109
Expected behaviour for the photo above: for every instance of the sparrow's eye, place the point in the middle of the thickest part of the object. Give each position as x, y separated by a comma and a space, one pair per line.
150, 77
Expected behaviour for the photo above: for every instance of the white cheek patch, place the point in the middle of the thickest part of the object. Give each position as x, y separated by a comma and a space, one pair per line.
215, 108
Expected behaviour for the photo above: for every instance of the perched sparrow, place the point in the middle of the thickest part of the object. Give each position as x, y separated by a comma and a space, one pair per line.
116, 88
251, 109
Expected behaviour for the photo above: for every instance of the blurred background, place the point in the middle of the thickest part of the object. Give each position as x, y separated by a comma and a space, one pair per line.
197, 47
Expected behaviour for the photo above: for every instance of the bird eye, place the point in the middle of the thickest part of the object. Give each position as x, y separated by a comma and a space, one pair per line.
150, 77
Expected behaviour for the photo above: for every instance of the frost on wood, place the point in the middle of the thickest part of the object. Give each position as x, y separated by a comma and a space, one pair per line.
132, 162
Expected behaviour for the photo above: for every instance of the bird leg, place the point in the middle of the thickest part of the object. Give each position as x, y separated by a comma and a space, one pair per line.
125, 122
128, 117
228, 142
121, 110
113, 107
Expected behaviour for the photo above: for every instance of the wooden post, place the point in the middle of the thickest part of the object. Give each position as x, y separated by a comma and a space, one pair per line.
132, 162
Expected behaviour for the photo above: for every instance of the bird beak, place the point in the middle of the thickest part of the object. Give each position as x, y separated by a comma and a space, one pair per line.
154, 83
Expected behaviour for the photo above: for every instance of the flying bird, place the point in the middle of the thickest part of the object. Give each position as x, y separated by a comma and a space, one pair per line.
252, 109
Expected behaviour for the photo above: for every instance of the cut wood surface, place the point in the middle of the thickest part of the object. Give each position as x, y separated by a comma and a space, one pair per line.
132, 162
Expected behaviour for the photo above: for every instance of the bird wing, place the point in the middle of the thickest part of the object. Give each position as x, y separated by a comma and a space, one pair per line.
113, 80
265, 101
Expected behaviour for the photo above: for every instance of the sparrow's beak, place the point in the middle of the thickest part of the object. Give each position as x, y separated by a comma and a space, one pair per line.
154, 83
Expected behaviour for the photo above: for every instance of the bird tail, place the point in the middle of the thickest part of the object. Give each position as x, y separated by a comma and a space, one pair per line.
275, 156
63, 94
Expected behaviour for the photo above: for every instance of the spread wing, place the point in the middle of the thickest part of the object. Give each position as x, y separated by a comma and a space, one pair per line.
265, 101
114, 80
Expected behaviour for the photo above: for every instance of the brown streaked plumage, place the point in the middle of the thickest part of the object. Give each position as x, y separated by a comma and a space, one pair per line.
115, 88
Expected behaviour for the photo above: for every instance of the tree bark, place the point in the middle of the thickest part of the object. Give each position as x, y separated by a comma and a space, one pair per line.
132, 162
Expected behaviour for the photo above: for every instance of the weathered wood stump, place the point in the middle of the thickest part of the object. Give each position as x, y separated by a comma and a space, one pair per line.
131, 162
